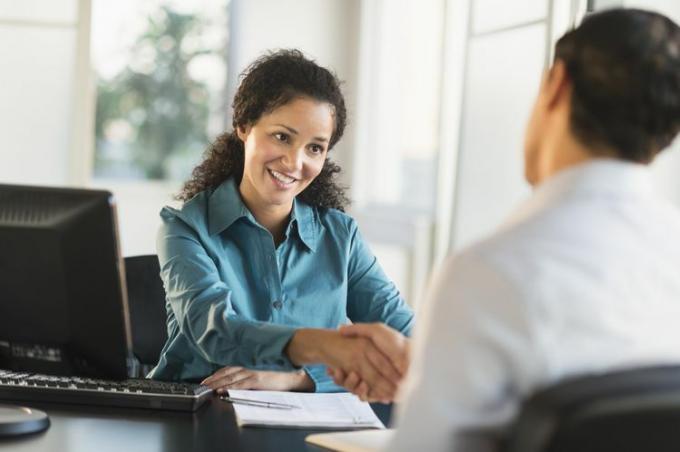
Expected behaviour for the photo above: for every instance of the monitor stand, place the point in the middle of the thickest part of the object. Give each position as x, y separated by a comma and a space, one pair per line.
16, 420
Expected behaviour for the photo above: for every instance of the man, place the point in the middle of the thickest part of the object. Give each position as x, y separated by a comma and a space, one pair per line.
585, 276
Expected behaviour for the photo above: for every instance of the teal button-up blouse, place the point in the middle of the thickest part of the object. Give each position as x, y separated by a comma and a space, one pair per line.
235, 299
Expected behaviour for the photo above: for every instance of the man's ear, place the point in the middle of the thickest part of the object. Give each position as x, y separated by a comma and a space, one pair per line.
558, 85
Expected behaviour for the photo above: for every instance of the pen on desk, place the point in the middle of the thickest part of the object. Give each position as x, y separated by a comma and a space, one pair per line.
260, 403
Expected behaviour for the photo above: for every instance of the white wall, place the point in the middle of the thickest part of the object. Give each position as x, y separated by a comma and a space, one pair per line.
503, 71
39, 44
671, 8
506, 54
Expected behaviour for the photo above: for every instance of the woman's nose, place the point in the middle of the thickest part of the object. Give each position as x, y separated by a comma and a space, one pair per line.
293, 159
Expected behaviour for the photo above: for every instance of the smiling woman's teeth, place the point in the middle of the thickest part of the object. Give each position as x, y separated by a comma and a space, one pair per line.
281, 178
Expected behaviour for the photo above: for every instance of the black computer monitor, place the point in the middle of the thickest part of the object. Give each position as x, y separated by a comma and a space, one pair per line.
63, 306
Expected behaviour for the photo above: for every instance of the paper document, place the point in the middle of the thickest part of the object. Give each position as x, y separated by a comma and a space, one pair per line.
335, 411
364, 441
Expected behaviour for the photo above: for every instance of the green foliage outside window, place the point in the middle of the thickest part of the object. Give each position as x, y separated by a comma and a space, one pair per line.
152, 110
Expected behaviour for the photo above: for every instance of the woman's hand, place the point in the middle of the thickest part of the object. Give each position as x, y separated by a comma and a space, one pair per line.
354, 384
390, 342
241, 378
349, 352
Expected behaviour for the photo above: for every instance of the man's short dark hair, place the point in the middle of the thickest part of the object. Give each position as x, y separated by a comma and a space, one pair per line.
624, 65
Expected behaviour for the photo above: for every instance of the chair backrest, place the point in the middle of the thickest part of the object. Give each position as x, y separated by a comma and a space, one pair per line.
624, 411
146, 300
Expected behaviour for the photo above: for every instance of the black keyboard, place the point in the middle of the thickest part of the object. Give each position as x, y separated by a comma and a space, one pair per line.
137, 393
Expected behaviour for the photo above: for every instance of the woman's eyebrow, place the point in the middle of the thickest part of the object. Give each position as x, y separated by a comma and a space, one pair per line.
290, 129
295, 132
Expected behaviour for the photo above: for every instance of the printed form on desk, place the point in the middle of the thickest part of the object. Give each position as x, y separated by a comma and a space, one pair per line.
328, 411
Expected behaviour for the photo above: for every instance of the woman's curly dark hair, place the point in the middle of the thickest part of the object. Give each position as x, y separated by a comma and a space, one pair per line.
271, 81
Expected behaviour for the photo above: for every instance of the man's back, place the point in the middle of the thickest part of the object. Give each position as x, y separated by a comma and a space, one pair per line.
598, 258
584, 277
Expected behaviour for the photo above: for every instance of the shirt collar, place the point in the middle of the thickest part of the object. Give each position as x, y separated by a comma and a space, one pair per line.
601, 176
225, 207
305, 219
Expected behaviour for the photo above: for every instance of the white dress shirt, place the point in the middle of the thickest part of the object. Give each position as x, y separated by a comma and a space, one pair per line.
584, 277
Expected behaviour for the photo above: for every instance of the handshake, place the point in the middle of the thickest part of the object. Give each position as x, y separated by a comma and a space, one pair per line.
368, 359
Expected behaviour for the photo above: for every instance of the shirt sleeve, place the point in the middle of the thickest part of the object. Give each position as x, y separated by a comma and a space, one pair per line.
371, 295
473, 361
201, 302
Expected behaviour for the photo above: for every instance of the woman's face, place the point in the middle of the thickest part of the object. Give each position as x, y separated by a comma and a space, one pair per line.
284, 152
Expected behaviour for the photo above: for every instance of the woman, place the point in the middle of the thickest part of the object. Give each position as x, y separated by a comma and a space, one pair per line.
261, 257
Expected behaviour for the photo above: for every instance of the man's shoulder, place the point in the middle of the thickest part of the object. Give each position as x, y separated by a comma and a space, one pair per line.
511, 252
503, 242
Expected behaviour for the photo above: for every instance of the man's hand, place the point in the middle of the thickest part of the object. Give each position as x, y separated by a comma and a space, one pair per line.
242, 378
390, 342
349, 354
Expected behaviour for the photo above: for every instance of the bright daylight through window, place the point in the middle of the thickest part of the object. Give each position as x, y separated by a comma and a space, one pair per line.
160, 69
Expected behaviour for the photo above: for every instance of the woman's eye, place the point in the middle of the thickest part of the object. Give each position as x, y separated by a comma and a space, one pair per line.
316, 149
282, 137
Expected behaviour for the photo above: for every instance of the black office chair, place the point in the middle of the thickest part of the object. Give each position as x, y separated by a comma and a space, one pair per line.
146, 301
634, 410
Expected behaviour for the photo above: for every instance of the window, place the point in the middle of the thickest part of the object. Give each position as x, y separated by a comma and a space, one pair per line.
160, 74
160, 70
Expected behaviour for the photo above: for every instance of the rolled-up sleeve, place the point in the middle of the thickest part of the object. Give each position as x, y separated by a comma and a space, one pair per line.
202, 305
